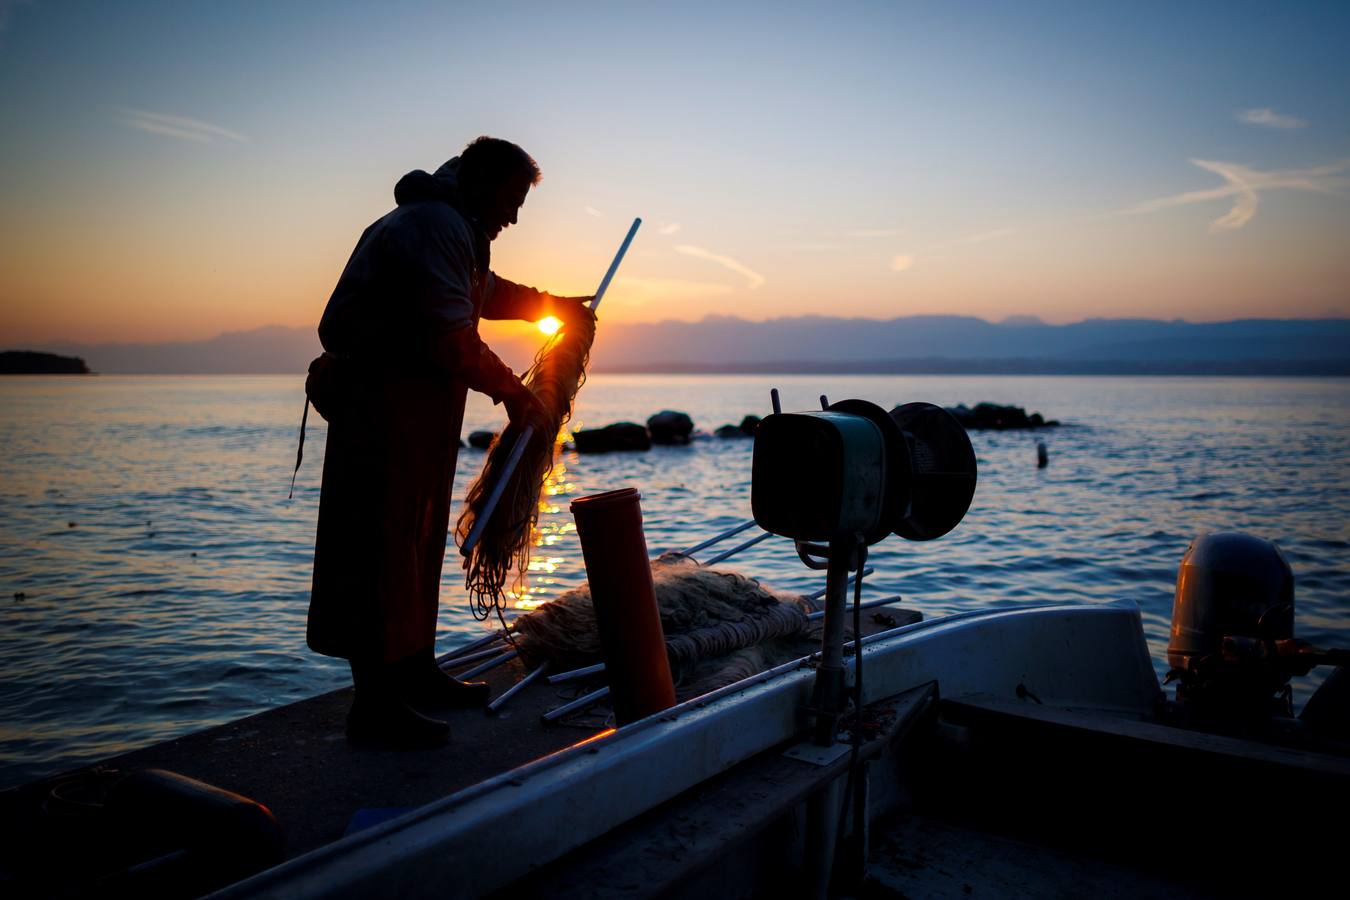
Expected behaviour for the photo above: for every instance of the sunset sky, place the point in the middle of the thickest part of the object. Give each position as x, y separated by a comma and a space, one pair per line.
174, 170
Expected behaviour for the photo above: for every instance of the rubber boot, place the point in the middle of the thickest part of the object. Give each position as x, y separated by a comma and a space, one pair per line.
426, 686
380, 718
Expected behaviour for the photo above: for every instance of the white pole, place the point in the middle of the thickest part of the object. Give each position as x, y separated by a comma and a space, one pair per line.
490, 664
762, 536
614, 266
580, 703
471, 646
511, 462
516, 688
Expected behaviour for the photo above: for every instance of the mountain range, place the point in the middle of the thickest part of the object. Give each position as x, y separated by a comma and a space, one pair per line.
818, 344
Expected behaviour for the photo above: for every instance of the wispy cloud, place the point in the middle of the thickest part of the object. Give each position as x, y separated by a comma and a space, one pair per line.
872, 232
904, 261
665, 288
754, 278
1269, 118
592, 211
179, 127
981, 237
1245, 185
669, 228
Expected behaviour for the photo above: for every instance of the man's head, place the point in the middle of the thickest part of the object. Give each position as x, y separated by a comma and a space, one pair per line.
494, 177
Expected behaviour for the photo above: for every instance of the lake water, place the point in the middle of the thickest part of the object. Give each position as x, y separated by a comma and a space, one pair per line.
159, 576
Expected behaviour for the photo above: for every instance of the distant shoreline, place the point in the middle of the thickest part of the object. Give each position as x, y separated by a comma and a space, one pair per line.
959, 367
36, 362
938, 366
913, 345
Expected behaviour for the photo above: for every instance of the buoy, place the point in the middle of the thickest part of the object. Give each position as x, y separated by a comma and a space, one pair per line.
1042, 455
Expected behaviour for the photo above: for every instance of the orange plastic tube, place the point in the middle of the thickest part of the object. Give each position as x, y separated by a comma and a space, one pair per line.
634, 645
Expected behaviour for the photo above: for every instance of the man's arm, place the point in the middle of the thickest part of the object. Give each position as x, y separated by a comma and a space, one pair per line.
463, 354
433, 257
508, 300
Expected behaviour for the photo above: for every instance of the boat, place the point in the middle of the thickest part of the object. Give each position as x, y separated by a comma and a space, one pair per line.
1022, 750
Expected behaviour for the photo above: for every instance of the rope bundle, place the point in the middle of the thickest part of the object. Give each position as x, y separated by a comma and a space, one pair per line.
718, 640
720, 626
503, 551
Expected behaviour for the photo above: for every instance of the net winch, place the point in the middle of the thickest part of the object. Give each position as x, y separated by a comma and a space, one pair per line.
843, 478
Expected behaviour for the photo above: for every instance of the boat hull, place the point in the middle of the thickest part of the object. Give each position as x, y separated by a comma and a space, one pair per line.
1091, 657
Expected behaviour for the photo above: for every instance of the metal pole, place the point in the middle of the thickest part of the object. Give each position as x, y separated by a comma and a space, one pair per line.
580, 703
721, 537
576, 673
469, 647
511, 462
821, 593
614, 266
820, 614
827, 697
471, 657
773, 398
734, 550
490, 664
516, 689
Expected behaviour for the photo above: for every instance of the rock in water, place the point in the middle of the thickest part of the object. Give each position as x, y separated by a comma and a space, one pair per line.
481, 440
997, 417
617, 437
670, 427
749, 425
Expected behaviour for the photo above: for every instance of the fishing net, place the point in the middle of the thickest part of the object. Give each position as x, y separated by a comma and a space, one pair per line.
502, 553
720, 626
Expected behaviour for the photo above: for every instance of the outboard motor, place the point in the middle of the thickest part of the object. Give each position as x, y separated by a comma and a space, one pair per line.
1232, 649
1230, 585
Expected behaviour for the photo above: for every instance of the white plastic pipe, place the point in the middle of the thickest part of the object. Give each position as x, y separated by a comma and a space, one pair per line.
516, 688
511, 462
614, 266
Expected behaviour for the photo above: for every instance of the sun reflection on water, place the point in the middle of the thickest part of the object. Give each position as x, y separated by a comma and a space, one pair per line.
540, 587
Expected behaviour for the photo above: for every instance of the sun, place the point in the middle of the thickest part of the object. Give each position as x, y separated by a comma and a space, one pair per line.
549, 324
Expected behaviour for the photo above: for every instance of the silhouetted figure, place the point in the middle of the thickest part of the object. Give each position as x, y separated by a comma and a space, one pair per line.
400, 335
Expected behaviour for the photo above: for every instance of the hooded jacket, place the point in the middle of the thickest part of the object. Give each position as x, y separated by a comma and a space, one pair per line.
416, 285
402, 346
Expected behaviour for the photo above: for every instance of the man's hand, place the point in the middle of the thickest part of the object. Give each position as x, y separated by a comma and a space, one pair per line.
574, 310
524, 409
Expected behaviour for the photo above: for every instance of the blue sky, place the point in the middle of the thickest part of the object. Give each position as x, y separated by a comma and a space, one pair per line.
177, 169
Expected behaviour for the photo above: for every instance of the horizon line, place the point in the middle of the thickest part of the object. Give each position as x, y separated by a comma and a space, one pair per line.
1014, 321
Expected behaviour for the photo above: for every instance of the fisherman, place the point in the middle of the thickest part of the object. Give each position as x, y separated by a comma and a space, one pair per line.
401, 348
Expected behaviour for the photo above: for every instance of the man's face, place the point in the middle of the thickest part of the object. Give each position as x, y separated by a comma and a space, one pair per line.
503, 204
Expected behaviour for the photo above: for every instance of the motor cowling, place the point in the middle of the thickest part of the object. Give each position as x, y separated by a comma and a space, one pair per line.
1230, 586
